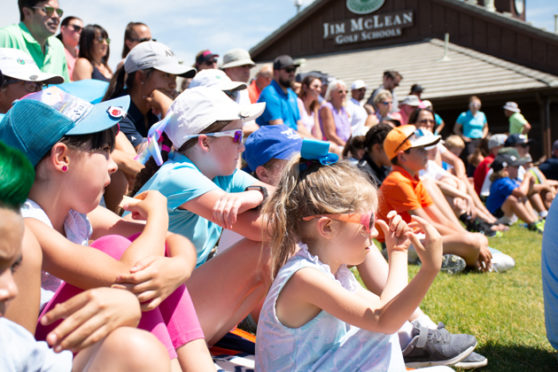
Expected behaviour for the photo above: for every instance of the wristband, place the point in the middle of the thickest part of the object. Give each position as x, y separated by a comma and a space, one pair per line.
259, 188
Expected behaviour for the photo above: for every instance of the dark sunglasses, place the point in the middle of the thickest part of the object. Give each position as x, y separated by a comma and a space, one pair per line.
386, 102
76, 28
425, 121
142, 39
100, 39
210, 62
30, 86
289, 69
49, 10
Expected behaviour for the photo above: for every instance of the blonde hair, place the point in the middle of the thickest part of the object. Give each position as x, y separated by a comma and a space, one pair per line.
317, 189
382, 96
454, 141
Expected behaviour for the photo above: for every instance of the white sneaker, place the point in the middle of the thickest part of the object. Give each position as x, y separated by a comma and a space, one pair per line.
500, 261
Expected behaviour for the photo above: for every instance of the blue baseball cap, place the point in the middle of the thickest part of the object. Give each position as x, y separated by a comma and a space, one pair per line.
39, 120
271, 142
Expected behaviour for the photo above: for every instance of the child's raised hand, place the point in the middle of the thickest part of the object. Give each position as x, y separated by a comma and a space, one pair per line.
397, 233
430, 253
142, 205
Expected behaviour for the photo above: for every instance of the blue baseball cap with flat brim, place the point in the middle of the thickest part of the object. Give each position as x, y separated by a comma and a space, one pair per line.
90, 90
39, 120
271, 142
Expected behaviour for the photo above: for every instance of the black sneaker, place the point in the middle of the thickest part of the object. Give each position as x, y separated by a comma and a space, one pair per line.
437, 347
473, 360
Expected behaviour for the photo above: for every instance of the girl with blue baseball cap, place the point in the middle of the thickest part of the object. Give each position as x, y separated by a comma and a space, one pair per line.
69, 141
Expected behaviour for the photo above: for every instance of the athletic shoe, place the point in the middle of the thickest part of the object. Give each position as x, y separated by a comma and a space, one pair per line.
536, 226
500, 261
436, 347
473, 360
453, 264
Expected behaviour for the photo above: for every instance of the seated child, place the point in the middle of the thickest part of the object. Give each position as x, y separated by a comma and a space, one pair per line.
316, 316
508, 196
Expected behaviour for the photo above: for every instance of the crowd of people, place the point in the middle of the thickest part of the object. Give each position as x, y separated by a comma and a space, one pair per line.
140, 226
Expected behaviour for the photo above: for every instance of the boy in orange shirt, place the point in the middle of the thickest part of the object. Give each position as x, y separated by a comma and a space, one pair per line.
403, 192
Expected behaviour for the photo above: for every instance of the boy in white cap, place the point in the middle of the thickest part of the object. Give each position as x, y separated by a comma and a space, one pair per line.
21, 76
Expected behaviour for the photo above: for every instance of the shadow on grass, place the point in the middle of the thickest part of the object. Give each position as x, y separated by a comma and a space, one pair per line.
517, 358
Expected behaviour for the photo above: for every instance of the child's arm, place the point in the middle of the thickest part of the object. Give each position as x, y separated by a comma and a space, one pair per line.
523, 189
234, 211
310, 286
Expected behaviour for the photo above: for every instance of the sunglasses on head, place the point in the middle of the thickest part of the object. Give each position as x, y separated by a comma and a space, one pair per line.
76, 28
49, 10
235, 134
367, 220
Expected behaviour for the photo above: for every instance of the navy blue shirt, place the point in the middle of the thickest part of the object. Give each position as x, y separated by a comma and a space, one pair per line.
550, 168
279, 105
499, 192
134, 126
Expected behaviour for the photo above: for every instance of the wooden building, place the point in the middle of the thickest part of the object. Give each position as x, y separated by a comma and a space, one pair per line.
492, 53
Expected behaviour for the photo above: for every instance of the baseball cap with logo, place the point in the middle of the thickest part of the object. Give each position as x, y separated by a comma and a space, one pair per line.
237, 57
271, 142
407, 137
502, 161
152, 54
197, 108
17, 64
39, 120
216, 78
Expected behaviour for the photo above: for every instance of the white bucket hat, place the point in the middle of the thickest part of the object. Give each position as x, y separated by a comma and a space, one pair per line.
511, 106
237, 57
19, 65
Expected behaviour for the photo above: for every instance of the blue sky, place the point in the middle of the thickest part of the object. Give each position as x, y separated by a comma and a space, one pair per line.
192, 25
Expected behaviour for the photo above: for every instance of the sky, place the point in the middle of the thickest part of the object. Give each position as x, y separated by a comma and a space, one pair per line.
219, 25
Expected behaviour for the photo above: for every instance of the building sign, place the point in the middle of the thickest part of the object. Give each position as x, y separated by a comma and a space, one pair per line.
378, 26
364, 6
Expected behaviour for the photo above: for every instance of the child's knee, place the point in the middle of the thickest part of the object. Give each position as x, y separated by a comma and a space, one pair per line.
137, 350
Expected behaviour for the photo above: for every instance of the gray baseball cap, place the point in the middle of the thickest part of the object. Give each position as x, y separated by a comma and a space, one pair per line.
152, 54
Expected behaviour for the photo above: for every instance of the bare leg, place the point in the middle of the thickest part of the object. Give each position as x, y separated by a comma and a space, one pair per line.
194, 356
24, 309
513, 205
230, 285
125, 349
537, 202
440, 201
466, 246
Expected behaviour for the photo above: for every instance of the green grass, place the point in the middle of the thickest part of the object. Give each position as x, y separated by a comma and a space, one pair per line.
504, 311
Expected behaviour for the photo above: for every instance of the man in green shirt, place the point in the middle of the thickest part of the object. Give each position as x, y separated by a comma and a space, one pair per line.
518, 123
35, 35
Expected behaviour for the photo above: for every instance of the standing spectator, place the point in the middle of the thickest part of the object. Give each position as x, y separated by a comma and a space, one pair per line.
440, 124
21, 76
383, 103
416, 90
518, 123
550, 166
308, 104
334, 118
495, 143
94, 54
281, 105
135, 33
206, 59
360, 120
262, 80
391, 80
237, 64
472, 126
39, 21
70, 30
406, 108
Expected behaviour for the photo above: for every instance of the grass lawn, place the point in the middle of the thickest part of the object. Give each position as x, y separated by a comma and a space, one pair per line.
504, 311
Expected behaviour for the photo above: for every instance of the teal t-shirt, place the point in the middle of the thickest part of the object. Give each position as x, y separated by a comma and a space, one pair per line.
472, 125
180, 181
53, 60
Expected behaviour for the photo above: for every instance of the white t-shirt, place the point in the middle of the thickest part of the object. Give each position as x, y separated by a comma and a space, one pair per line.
358, 116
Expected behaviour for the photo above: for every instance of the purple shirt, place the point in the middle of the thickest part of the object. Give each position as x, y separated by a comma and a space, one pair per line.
341, 120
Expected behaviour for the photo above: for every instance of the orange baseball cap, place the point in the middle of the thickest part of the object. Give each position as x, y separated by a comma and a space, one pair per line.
406, 137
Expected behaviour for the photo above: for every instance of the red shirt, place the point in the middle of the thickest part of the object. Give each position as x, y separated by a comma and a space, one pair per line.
481, 171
